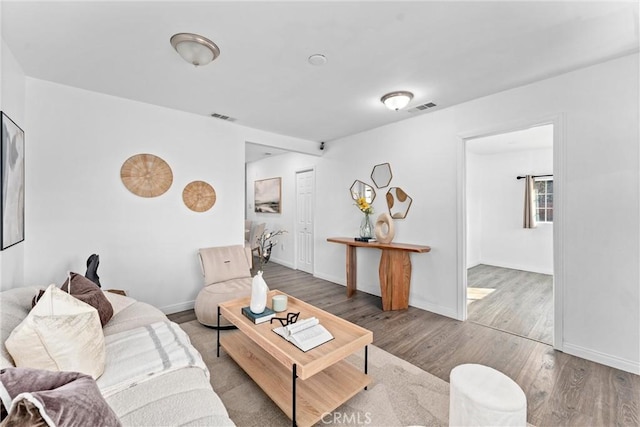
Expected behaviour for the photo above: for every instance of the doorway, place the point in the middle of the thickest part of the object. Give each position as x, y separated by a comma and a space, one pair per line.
305, 181
509, 268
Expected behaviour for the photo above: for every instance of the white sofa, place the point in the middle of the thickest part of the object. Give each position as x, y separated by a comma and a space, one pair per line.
177, 397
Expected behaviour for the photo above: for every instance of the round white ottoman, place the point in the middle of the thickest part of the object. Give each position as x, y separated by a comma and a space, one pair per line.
482, 396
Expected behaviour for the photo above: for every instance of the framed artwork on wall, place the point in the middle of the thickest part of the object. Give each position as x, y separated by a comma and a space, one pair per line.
267, 195
12, 173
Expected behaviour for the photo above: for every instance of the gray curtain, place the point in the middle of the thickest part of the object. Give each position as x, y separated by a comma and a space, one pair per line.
529, 217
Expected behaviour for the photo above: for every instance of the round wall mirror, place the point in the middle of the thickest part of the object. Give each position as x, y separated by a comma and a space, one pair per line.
362, 189
381, 175
398, 202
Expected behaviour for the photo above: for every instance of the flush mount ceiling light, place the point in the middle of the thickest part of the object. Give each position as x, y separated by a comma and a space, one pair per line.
396, 100
317, 59
195, 49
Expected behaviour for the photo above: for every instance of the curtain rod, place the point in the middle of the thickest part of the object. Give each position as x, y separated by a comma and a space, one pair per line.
533, 176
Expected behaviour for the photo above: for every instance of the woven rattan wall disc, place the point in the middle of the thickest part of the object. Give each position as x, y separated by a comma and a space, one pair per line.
146, 175
199, 196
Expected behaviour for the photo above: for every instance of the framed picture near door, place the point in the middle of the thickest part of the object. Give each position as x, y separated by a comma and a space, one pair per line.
267, 195
12, 173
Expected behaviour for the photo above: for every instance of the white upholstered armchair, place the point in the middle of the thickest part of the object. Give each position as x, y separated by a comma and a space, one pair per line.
227, 275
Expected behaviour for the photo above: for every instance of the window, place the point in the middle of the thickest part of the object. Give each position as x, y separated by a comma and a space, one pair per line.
544, 199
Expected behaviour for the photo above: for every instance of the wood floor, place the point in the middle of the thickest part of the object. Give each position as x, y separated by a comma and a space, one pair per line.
562, 390
520, 302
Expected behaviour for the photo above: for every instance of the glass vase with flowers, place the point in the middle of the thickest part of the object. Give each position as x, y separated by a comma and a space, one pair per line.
366, 228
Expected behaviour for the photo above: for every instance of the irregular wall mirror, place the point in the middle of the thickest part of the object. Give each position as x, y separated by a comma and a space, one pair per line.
362, 189
381, 175
398, 202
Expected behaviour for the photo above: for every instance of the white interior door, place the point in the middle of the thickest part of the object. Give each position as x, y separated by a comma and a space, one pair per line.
304, 220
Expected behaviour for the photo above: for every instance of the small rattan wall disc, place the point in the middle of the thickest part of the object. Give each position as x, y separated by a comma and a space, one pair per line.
146, 175
199, 196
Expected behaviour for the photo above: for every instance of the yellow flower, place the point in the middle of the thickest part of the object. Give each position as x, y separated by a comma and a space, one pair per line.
364, 206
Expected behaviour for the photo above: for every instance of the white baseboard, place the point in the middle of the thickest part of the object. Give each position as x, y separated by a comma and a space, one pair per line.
473, 262
603, 358
333, 279
413, 302
176, 308
282, 262
433, 308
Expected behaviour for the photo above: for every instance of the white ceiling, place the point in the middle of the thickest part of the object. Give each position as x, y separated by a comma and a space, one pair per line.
444, 52
533, 138
254, 152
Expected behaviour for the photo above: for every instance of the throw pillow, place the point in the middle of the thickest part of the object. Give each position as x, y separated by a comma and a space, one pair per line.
61, 333
87, 291
36, 298
118, 302
43, 398
24, 414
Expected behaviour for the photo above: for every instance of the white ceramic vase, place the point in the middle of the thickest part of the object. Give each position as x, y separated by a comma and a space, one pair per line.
259, 291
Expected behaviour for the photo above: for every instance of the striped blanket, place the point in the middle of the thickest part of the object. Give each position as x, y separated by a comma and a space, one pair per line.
146, 352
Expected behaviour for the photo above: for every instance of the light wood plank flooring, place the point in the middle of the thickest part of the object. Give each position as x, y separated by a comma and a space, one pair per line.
562, 390
520, 302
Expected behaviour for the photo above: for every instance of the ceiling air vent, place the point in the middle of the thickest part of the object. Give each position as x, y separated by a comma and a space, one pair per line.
422, 107
223, 117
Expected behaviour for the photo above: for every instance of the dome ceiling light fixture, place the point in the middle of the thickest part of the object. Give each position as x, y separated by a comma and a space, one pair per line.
317, 59
397, 100
195, 49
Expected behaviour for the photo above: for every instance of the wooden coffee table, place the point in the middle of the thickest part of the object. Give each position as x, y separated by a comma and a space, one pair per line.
305, 386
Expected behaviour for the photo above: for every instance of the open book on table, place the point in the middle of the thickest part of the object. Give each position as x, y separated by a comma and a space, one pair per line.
305, 334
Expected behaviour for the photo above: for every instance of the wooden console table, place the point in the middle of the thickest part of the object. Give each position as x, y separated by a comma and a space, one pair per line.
394, 270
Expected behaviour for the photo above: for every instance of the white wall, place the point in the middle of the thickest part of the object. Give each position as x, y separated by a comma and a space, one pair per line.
77, 204
422, 154
474, 208
496, 198
284, 166
600, 257
12, 103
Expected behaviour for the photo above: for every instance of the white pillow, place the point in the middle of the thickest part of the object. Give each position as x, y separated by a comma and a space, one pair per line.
118, 302
60, 333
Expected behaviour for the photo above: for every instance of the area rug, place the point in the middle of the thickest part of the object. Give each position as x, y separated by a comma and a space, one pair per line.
400, 393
